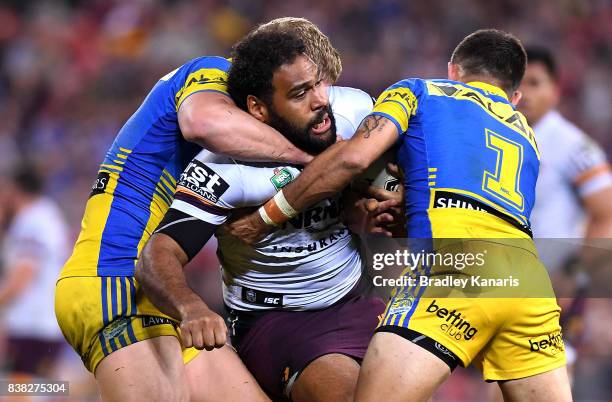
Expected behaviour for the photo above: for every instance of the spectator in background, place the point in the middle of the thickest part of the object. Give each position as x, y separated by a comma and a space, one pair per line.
34, 250
572, 163
573, 192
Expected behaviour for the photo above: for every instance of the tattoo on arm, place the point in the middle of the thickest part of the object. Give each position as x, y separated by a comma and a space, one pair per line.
370, 124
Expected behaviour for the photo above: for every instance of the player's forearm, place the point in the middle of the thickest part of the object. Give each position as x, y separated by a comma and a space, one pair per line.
326, 175
599, 228
160, 273
15, 282
225, 129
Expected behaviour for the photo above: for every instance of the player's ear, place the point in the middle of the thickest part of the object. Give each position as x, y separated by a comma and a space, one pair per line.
453, 71
516, 97
257, 108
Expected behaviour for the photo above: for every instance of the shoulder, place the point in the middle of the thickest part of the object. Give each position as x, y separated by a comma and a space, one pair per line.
406, 92
207, 73
568, 137
42, 220
350, 107
210, 62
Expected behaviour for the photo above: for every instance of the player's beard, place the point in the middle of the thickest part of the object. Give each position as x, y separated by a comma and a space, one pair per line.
302, 137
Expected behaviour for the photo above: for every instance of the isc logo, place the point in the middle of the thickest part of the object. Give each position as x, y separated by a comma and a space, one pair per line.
272, 300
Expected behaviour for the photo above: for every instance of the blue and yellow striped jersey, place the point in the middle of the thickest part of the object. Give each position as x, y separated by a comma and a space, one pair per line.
136, 181
470, 160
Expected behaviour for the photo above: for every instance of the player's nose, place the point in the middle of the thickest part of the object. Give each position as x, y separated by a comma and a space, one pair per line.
320, 97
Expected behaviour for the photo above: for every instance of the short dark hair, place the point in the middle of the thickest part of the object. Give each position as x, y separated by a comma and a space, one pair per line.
254, 61
26, 178
540, 54
495, 53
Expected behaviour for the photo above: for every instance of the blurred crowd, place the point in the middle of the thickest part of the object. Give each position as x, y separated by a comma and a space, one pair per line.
71, 72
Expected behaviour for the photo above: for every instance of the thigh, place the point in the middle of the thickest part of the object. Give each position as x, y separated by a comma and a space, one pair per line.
551, 386
101, 315
329, 378
219, 375
280, 345
395, 369
461, 325
149, 370
529, 343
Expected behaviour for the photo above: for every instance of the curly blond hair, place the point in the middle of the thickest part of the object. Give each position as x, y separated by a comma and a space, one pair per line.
318, 46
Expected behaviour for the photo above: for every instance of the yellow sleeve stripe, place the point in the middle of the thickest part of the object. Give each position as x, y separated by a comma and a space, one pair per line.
398, 103
170, 177
394, 112
127, 151
121, 156
211, 79
113, 167
167, 187
163, 196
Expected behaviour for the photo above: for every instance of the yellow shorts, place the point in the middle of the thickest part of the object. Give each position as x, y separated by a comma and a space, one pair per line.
501, 315
99, 315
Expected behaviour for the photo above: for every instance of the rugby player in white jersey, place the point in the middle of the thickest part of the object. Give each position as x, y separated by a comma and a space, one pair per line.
132, 348
574, 188
573, 191
298, 317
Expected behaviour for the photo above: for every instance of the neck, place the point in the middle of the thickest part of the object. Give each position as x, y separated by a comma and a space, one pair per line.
487, 79
23, 201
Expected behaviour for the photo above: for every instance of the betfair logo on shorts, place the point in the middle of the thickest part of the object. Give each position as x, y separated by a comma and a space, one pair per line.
454, 324
552, 342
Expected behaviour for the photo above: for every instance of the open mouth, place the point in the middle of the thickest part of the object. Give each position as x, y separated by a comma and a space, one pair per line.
323, 126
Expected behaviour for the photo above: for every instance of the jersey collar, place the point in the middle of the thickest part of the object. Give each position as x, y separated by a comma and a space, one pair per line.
489, 88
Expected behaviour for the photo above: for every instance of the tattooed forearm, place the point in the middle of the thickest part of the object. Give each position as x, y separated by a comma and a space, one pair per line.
371, 123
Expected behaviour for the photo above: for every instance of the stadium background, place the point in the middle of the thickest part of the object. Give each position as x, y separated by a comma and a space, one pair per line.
73, 71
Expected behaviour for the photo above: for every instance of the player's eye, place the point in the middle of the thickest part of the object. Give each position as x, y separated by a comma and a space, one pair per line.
300, 95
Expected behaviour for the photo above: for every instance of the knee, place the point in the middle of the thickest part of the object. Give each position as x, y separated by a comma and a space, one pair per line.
329, 378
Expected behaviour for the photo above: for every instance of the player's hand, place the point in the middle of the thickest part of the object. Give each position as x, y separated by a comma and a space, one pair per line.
249, 228
201, 327
384, 217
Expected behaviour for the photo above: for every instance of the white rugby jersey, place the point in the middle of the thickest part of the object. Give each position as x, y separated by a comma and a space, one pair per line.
38, 234
572, 167
310, 262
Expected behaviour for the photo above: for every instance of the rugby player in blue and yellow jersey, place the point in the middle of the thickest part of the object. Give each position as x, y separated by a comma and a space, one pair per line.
470, 164
133, 349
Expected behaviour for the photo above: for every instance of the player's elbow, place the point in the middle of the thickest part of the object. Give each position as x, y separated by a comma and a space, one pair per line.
142, 273
353, 162
202, 128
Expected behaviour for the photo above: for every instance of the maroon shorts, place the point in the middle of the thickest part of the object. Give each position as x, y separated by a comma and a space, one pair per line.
32, 355
276, 346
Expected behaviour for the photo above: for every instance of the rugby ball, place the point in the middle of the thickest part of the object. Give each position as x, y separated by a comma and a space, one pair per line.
377, 175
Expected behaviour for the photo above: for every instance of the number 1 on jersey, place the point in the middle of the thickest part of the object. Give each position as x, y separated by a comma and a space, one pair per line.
504, 182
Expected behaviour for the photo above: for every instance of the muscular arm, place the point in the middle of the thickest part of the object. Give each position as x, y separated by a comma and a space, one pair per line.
160, 273
213, 121
331, 171
598, 207
327, 174
16, 281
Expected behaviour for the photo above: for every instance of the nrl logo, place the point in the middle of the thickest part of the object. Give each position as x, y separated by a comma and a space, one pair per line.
115, 328
282, 177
